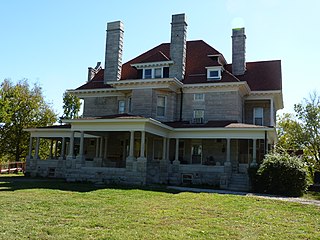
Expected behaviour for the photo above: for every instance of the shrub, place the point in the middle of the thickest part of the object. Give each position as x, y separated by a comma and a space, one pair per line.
282, 174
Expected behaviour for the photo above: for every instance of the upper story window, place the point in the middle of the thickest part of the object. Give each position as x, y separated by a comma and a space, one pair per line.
121, 106
213, 73
161, 106
154, 73
258, 116
198, 116
198, 96
129, 104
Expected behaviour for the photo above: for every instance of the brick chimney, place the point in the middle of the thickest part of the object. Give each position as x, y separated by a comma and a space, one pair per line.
113, 57
178, 46
238, 51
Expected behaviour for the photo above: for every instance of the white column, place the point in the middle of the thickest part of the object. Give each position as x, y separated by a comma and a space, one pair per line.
164, 145
56, 149
36, 155
228, 157
142, 144
131, 148
101, 147
81, 144
30, 147
63, 146
271, 113
254, 153
51, 149
176, 157
71, 145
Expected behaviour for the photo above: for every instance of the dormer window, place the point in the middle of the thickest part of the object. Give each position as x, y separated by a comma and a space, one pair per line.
214, 73
152, 73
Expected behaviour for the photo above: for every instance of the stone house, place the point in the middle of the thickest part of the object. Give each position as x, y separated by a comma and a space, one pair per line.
176, 114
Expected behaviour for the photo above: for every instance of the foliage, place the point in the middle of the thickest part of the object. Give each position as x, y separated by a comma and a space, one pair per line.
302, 130
71, 106
21, 107
54, 209
282, 174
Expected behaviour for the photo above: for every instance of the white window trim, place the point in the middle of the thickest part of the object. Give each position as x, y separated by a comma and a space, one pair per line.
194, 116
129, 106
200, 99
254, 115
124, 107
165, 105
152, 72
219, 69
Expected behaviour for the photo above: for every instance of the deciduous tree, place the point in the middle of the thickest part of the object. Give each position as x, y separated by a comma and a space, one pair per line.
71, 106
21, 106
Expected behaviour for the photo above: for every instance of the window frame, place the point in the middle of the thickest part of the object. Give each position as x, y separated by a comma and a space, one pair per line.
129, 104
153, 73
121, 107
199, 148
255, 117
164, 107
216, 69
198, 99
194, 116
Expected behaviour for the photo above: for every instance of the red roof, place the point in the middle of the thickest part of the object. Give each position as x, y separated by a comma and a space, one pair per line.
260, 76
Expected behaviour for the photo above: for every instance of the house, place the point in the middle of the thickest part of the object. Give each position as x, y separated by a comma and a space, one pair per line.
176, 114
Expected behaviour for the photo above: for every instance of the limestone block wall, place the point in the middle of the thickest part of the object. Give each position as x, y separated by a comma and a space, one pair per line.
100, 106
216, 106
250, 105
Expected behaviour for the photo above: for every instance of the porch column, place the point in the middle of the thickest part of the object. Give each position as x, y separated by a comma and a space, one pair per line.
36, 155
56, 150
30, 147
131, 146
81, 145
228, 157
63, 146
71, 145
51, 149
142, 144
254, 153
164, 152
101, 147
271, 113
97, 147
176, 158
168, 149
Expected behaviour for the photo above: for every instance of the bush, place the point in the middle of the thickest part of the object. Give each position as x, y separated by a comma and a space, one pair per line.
282, 174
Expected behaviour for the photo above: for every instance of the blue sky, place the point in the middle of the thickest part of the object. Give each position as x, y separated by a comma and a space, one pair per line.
53, 43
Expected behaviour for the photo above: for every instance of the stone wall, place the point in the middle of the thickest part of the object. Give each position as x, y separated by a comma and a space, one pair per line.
250, 105
216, 106
100, 106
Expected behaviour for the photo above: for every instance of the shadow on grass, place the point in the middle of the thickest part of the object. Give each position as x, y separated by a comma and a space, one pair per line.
14, 183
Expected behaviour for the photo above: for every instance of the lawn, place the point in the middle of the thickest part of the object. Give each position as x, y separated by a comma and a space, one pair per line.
59, 210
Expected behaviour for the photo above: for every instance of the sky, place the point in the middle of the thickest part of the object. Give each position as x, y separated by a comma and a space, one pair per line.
52, 43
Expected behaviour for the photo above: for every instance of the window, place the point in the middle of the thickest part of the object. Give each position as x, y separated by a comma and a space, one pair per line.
198, 116
158, 73
214, 74
147, 73
157, 149
196, 153
152, 73
258, 116
198, 96
161, 106
129, 104
121, 106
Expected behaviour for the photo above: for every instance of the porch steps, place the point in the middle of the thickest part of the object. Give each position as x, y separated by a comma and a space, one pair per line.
239, 182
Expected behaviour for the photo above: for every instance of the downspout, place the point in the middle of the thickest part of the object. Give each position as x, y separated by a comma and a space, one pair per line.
265, 142
181, 104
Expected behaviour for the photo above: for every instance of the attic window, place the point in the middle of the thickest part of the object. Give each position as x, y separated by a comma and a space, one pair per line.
152, 73
214, 74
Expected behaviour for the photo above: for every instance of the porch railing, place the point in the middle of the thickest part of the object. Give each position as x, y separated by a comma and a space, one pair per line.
12, 167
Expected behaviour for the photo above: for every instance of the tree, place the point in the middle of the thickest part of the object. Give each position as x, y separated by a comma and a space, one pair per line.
21, 107
301, 131
71, 106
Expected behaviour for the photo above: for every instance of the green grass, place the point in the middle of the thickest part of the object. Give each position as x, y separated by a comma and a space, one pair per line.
58, 210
